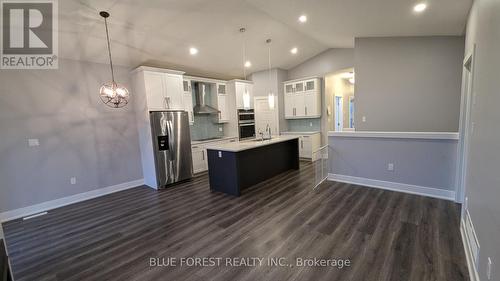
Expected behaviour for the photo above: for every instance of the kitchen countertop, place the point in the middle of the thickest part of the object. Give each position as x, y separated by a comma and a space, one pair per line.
212, 140
249, 144
301, 133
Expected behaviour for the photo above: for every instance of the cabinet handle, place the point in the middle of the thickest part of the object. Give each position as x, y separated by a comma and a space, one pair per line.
306, 110
192, 116
203, 155
301, 144
168, 102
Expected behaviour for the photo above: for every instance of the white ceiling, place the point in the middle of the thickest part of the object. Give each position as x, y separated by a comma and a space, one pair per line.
160, 32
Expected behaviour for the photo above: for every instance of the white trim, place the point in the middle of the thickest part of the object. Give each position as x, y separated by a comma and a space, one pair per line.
395, 186
157, 69
302, 79
241, 81
474, 275
49, 205
204, 79
397, 135
465, 125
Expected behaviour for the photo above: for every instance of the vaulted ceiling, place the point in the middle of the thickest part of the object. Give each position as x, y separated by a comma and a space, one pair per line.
160, 32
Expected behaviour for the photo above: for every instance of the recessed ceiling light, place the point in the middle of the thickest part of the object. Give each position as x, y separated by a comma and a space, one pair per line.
248, 64
420, 7
303, 18
294, 50
193, 51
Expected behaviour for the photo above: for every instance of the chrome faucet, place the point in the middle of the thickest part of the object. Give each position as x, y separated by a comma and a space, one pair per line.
268, 131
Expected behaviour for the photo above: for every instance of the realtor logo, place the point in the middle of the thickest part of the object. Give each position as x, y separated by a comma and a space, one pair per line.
29, 34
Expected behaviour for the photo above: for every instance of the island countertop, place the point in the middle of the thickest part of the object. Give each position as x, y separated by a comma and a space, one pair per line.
249, 144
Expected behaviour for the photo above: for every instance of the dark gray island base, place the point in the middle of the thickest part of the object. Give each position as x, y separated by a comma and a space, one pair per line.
235, 166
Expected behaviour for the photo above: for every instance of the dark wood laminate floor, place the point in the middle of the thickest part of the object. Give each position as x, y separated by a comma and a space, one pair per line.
386, 235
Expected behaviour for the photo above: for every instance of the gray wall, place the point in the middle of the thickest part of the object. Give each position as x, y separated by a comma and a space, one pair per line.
261, 87
427, 163
79, 135
483, 180
324, 63
408, 83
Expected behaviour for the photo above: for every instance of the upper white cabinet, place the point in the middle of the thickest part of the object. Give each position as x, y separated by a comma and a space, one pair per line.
187, 99
222, 107
302, 98
163, 88
240, 87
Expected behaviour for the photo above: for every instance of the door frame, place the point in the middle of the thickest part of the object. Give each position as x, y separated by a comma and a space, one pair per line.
339, 113
465, 124
276, 112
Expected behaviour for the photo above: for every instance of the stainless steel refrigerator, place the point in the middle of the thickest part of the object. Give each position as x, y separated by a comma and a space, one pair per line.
172, 146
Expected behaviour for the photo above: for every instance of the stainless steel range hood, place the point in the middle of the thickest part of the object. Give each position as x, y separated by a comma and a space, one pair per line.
201, 107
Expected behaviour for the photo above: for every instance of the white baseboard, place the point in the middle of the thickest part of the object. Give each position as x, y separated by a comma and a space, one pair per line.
474, 275
395, 186
49, 205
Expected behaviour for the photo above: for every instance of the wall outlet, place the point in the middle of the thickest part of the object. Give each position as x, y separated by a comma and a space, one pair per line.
220, 129
72, 180
310, 124
220, 154
390, 167
489, 268
363, 119
33, 142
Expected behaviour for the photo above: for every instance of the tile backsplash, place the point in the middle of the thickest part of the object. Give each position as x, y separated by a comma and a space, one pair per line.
205, 128
304, 125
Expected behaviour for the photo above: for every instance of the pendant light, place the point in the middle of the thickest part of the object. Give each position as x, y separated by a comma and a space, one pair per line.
246, 93
112, 94
270, 96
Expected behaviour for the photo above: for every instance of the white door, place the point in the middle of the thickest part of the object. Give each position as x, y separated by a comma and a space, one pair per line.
174, 91
265, 116
155, 91
339, 122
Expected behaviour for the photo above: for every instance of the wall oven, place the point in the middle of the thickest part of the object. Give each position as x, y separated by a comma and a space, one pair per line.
246, 123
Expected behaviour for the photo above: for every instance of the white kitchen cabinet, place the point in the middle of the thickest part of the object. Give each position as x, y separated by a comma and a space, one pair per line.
242, 86
187, 99
200, 163
199, 153
302, 99
308, 143
312, 104
173, 93
222, 107
163, 90
220, 102
221, 88
155, 90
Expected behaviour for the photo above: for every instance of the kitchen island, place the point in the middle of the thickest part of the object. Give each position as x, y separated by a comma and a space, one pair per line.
235, 166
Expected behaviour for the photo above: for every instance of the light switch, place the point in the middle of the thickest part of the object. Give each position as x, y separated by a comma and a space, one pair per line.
33, 142
220, 129
363, 119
